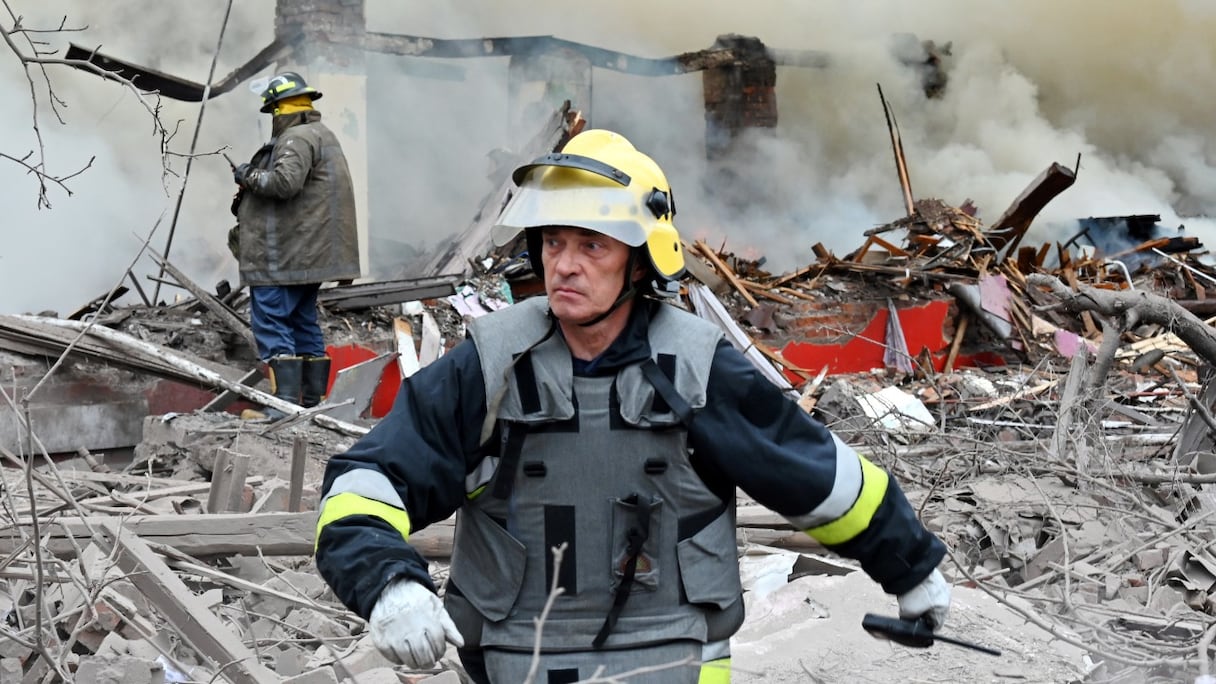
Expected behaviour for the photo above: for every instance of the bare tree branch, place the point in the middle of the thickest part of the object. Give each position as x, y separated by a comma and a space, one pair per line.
37, 54
1130, 308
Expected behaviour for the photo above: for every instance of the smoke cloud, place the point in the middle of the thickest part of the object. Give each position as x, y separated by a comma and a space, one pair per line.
1118, 83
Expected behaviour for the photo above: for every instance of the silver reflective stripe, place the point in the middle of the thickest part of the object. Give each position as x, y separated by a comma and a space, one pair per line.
368, 484
481, 475
715, 650
845, 490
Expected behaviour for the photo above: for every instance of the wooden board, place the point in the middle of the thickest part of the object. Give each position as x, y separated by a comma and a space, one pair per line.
185, 611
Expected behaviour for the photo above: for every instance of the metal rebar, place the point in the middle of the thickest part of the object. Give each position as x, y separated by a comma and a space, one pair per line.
1126, 274
1201, 274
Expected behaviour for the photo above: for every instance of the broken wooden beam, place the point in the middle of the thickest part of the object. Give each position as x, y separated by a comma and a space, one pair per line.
146, 495
959, 331
1142, 247
1009, 228
207, 534
138, 288
41, 335
725, 271
227, 492
196, 534
230, 319
892, 249
384, 292
802, 271
860, 254
197, 625
780, 360
765, 292
901, 162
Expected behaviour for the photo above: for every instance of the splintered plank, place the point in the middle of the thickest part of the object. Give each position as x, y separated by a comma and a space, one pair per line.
121, 479
807, 399
1040, 257
228, 482
431, 347
206, 534
794, 275
234, 322
795, 293
161, 492
1014, 273
956, 343
185, 611
726, 272
699, 270
891, 248
1008, 229
861, 251
1142, 247
764, 292
777, 358
897, 146
197, 534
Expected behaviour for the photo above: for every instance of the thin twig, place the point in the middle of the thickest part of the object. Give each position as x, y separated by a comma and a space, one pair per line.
555, 590
177, 208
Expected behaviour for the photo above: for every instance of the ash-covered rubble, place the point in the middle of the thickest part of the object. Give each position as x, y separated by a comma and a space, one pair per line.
1046, 407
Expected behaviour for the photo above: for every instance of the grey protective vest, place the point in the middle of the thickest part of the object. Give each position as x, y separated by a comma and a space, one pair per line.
602, 466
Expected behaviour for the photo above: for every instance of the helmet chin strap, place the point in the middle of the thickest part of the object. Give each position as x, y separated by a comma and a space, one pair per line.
628, 291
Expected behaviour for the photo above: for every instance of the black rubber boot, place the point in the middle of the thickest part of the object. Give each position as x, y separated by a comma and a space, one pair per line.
286, 377
316, 380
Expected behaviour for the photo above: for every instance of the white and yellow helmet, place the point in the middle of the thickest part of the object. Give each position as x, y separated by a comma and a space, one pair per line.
600, 182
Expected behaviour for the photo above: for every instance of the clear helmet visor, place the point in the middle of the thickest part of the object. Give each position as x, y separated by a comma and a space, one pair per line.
608, 209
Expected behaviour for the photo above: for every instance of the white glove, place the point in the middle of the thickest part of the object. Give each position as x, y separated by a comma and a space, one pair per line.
409, 625
930, 598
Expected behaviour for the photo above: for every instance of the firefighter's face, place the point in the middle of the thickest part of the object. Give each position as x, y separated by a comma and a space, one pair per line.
584, 272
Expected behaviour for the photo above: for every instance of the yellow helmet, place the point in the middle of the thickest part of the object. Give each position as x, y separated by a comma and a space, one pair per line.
600, 182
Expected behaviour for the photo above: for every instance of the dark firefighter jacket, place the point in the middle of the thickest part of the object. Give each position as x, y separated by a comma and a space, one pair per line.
296, 215
748, 435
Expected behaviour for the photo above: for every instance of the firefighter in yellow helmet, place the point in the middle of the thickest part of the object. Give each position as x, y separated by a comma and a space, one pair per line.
603, 422
587, 186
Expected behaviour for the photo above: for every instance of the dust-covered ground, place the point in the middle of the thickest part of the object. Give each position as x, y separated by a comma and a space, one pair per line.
810, 631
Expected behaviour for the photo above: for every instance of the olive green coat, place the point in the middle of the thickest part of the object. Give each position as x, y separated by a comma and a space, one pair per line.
296, 215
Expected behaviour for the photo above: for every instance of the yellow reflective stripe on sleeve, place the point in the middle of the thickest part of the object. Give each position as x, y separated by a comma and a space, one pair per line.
715, 672
857, 518
346, 504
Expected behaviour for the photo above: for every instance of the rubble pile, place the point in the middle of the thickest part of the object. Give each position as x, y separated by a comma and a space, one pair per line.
1047, 408
1072, 473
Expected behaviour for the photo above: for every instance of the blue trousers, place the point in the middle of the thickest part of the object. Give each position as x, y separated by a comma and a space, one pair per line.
284, 320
